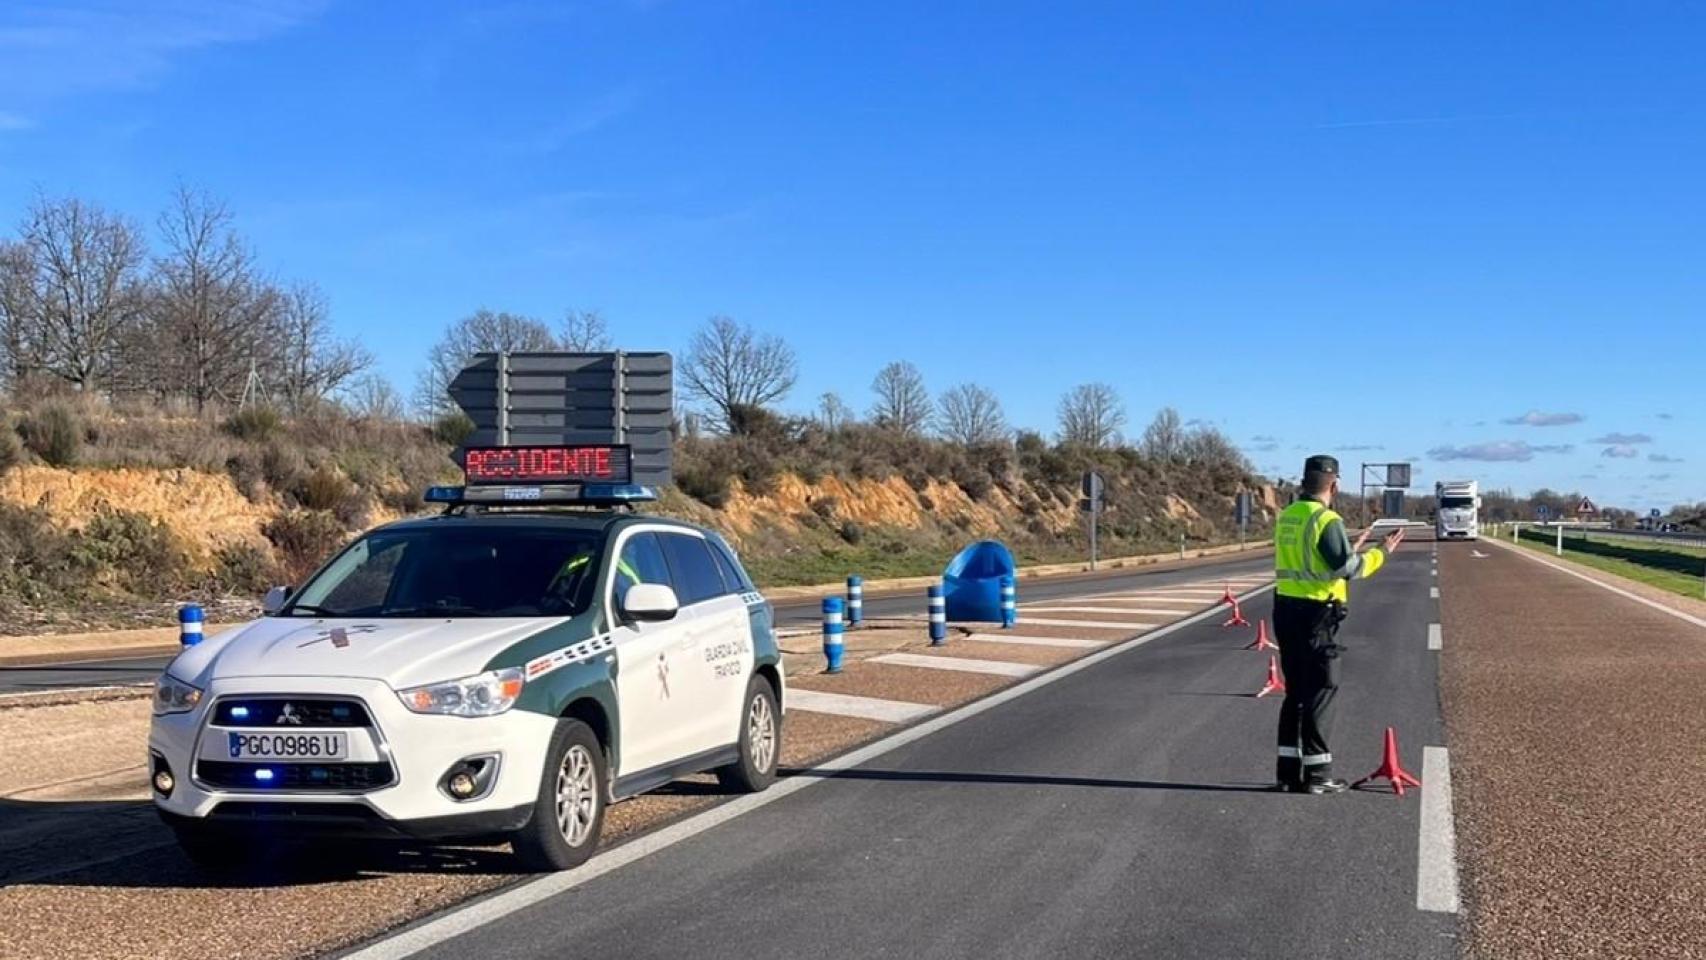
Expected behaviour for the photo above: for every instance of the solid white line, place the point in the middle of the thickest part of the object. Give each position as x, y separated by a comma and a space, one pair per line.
1436, 855
1436, 641
1687, 618
1068, 642
1001, 668
846, 705
1172, 600
460, 920
1433, 593
1093, 624
1157, 611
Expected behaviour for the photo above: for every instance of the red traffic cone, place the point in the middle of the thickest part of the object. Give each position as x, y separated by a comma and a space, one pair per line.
1262, 641
1275, 683
1228, 598
1237, 618
1390, 769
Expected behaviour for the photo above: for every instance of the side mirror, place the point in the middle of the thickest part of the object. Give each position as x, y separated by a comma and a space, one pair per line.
273, 602
650, 602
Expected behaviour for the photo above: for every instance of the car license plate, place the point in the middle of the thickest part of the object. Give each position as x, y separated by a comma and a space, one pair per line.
288, 746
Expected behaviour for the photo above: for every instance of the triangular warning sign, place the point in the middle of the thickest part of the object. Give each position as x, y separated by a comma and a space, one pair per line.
1587, 506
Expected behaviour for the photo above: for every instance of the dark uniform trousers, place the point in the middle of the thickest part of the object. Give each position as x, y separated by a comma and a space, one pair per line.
1309, 654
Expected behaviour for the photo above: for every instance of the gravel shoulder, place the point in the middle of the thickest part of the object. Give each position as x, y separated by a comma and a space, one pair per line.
1575, 721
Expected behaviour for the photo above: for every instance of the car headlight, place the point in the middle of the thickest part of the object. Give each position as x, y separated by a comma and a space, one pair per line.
482, 695
172, 695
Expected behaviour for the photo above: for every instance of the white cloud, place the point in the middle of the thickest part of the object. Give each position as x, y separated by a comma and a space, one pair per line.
1534, 418
1621, 451
1498, 451
1620, 439
1662, 458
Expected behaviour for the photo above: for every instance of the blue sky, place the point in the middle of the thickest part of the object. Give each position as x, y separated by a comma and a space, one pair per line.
1322, 226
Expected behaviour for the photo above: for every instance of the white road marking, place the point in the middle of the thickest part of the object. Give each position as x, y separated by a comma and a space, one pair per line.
1436, 640
1685, 617
1433, 573
1168, 598
1000, 668
1433, 593
1156, 611
1436, 855
459, 920
1093, 624
845, 705
1067, 642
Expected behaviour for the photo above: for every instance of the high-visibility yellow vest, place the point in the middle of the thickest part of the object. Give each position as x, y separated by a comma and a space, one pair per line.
1299, 568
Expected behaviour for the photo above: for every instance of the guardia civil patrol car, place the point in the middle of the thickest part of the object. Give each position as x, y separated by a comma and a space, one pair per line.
503, 670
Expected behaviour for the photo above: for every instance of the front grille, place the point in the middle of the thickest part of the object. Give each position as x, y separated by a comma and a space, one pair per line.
296, 776
289, 712
284, 810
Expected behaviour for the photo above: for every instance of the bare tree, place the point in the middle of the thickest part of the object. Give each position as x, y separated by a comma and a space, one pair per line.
728, 366
87, 286
311, 364
482, 331
903, 403
970, 414
372, 397
1164, 438
1091, 415
832, 412
20, 315
584, 331
1206, 446
210, 306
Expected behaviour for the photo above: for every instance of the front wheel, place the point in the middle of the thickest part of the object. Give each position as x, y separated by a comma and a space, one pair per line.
569, 811
760, 741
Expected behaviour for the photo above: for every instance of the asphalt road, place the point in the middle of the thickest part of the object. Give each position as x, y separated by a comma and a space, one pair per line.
1119, 811
797, 613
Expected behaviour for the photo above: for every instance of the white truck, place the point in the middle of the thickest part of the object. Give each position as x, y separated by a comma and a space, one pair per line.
1458, 510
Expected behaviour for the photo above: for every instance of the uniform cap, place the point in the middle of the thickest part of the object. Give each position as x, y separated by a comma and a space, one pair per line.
1321, 463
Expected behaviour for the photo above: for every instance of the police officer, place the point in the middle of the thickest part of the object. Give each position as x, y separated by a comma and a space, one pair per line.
1313, 559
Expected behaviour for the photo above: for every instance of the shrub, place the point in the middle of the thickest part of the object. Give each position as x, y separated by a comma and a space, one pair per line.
825, 507
11, 452
131, 551
254, 423
53, 433
851, 532
245, 568
452, 429
35, 557
282, 466
703, 482
324, 489
304, 539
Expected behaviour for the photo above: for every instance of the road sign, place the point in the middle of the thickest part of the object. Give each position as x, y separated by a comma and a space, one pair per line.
1241, 508
1091, 485
1397, 474
549, 398
1657, 513
1542, 512
1586, 506
1392, 503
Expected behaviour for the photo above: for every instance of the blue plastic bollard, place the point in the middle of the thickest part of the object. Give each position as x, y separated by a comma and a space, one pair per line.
1009, 603
855, 600
189, 624
833, 628
938, 615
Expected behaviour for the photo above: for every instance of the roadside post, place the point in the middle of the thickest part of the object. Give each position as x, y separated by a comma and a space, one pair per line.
938, 614
1241, 513
1092, 487
833, 628
189, 624
855, 600
1560, 538
1009, 602
1181, 546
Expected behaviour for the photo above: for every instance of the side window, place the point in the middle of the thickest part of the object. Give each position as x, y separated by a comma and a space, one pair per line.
731, 569
691, 567
641, 562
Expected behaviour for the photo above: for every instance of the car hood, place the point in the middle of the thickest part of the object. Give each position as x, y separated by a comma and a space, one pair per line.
402, 653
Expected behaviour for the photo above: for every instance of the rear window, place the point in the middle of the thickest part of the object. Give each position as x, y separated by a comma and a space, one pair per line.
692, 569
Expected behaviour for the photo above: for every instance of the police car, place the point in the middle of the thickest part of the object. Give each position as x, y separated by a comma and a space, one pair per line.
503, 670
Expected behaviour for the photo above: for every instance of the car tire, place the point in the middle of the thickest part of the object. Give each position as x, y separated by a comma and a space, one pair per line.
568, 814
760, 741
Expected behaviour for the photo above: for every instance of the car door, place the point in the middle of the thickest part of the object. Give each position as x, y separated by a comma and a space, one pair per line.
721, 651
650, 660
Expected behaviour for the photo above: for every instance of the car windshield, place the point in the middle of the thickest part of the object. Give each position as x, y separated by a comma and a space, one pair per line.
473, 570
1456, 503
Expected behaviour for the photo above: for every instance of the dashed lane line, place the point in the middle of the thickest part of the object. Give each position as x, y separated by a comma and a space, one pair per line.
1092, 624
1072, 643
1436, 855
846, 705
1000, 668
1433, 593
1435, 640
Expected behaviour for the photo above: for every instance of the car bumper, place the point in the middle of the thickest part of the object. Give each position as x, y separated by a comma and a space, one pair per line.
421, 750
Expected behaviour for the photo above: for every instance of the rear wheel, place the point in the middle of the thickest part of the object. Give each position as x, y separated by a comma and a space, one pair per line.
760, 741
569, 811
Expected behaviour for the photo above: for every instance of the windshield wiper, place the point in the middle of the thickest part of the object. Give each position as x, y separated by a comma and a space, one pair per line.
310, 608
442, 610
